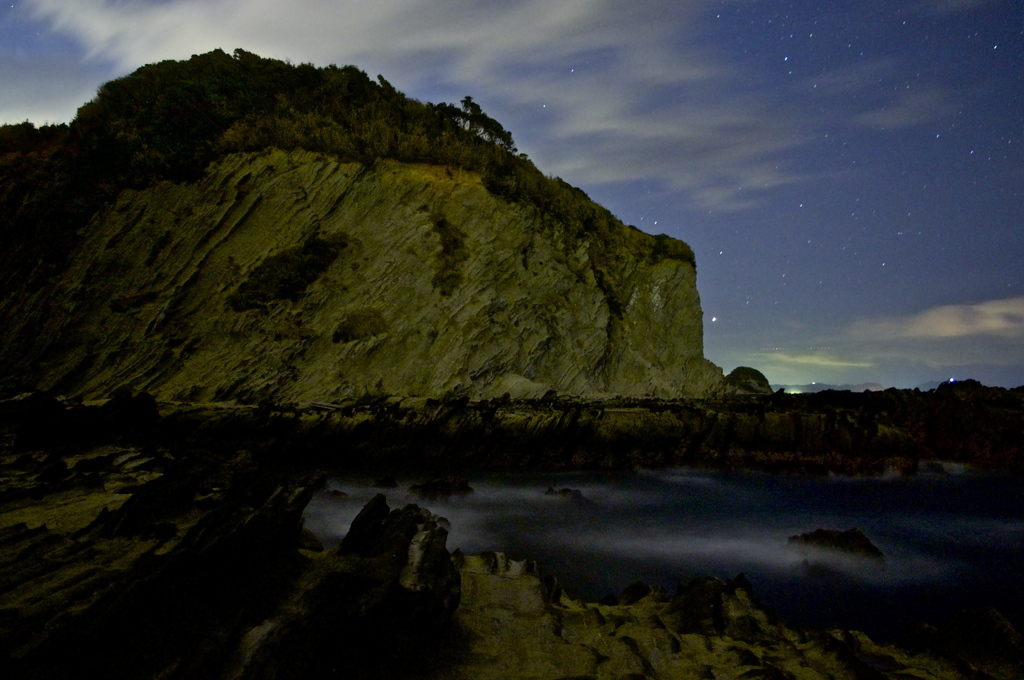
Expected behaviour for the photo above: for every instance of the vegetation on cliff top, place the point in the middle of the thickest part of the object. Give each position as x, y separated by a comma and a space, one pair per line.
169, 120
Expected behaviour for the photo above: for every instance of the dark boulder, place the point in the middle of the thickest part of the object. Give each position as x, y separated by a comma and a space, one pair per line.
746, 382
39, 420
135, 415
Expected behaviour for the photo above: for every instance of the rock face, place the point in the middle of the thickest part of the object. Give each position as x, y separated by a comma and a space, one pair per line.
295, 278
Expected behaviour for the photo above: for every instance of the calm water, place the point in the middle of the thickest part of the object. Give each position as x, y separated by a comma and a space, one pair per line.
951, 539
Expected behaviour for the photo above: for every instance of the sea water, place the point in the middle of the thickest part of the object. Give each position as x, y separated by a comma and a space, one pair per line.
952, 539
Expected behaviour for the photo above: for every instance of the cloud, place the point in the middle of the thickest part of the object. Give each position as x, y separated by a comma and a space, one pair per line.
596, 91
1003, 318
954, 6
980, 340
913, 107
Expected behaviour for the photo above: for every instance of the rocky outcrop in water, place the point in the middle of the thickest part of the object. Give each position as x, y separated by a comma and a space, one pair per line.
852, 541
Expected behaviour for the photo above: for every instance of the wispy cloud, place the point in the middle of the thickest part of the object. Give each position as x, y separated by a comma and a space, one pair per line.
980, 340
996, 317
609, 92
911, 108
596, 91
953, 6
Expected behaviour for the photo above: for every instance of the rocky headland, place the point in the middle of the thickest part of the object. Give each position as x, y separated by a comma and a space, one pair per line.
230, 277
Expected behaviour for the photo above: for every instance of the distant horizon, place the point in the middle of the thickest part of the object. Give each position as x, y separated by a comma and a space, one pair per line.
926, 385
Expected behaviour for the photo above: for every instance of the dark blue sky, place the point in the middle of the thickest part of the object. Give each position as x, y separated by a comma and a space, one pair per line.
849, 174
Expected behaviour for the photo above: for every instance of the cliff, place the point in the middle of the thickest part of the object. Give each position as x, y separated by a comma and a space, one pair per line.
295, 277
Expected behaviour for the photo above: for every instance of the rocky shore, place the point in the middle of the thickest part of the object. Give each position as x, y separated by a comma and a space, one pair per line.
826, 432
140, 540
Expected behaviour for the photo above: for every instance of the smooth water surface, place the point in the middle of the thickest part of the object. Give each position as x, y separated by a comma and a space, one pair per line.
951, 540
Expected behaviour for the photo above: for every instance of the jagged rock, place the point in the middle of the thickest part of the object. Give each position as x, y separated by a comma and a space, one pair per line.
205, 571
710, 629
638, 590
442, 487
710, 606
393, 590
852, 541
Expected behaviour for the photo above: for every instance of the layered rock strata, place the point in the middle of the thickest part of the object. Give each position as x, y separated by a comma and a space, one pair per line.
294, 277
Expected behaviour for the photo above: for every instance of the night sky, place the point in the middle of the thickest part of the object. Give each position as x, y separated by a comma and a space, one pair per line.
849, 173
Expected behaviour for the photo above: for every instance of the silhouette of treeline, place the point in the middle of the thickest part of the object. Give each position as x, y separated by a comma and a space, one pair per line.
168, 121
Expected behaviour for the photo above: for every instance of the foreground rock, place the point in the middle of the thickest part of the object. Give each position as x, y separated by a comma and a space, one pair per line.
201, 569
517, 623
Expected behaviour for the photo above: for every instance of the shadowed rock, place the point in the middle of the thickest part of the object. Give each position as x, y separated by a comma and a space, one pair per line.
745, 381
205, 571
